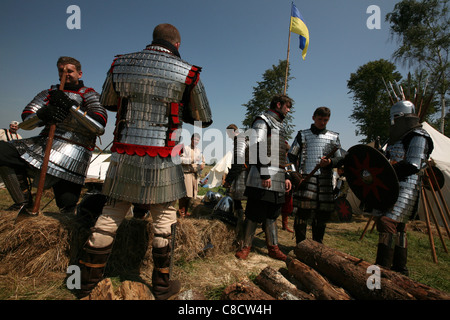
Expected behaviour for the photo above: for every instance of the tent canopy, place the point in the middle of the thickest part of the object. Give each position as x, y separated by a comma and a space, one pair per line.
98, 167
219, 170
440, 157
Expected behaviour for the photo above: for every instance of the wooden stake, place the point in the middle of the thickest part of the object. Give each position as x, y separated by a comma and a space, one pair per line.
365, 228
48, 149
436, 200
435, 221
430, 234
439, 192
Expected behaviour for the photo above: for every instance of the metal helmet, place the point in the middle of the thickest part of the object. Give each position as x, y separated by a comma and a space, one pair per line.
224, 210
402, 108
211, 198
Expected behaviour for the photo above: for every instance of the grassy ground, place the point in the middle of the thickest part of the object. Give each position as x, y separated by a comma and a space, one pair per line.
210, 275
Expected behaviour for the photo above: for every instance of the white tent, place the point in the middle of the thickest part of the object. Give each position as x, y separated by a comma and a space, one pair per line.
221, 168
440, 156
98, 167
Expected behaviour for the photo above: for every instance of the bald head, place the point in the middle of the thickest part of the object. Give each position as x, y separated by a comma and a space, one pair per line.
168, 32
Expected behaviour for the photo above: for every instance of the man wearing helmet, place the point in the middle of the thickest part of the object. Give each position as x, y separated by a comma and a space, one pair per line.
408, 150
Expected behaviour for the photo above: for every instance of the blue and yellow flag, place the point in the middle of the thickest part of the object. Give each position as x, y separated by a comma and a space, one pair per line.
298, 26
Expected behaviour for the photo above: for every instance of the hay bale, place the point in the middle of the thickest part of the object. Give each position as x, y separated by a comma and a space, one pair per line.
194, 236
52, 241
37, 245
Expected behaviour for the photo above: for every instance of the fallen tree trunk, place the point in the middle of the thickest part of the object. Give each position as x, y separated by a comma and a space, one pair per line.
315, 283
275, 284
419, 290
245, 290
344, 273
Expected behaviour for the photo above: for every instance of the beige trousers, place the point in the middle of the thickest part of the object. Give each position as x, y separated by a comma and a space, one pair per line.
191, 183
163, 216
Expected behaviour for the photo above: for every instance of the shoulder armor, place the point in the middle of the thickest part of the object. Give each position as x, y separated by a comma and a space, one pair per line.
422, 133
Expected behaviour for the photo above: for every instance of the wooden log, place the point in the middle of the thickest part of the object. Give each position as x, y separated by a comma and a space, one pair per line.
345, 274
132, 290
245, 290
419, 290
103, 291
190, 295
314, 282
275, 284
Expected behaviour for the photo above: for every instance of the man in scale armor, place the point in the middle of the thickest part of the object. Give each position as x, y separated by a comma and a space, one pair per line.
314, 198
267, 181
153, 91
236, 178
79, 119
408, 150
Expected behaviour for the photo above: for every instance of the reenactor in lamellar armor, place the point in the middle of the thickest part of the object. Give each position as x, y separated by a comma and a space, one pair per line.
79, 118
236, 178
267, 181
314, 197
408, 150
153, 91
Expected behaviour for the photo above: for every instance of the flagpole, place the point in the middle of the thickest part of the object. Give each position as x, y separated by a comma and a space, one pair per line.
287, 59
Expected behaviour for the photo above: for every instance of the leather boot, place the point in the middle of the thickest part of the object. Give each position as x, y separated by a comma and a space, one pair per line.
270, 229
318, 231
285, 220
399, 260
385, 252
92, 265
163, 287
249, 233
243, 253
275, 253
300, 227
384, 256
182, 207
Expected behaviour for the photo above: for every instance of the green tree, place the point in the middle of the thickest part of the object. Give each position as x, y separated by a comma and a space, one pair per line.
422, 31
271, 85
371, 102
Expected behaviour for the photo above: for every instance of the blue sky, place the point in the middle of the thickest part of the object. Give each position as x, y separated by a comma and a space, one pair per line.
234, 41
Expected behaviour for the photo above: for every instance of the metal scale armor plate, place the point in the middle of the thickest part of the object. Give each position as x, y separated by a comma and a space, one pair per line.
151, 85
268, 129
73, 143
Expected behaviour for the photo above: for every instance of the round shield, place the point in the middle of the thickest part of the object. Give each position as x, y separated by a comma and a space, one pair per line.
343, 209
371, 177
437, 173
